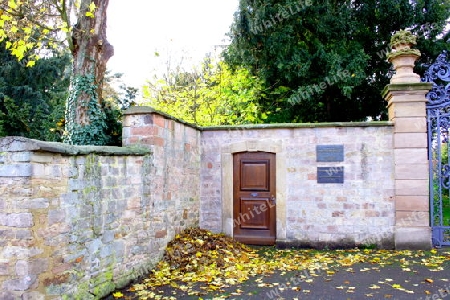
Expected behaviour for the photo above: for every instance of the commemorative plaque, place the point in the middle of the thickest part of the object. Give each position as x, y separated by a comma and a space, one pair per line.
329, 153
330, 174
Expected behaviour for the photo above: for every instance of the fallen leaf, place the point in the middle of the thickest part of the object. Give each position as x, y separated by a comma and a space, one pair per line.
117, 295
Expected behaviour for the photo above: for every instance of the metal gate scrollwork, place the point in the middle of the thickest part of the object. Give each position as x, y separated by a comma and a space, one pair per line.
438, 122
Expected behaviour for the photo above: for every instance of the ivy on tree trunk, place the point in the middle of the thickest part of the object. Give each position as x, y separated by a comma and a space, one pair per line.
85, 118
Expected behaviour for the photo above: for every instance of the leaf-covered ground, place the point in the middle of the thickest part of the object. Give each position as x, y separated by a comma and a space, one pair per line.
198, 264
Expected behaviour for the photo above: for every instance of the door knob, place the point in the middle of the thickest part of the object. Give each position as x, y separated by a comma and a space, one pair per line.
273, 199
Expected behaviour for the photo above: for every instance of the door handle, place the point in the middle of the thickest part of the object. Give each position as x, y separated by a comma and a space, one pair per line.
273, 199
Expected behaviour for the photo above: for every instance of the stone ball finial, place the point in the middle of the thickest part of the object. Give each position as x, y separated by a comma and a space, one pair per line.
403, 57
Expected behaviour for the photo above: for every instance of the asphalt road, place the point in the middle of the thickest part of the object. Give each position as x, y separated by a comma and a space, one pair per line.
360, 281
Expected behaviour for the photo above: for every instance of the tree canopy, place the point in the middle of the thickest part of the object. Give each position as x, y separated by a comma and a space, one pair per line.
208, 95
31, 27
327, 58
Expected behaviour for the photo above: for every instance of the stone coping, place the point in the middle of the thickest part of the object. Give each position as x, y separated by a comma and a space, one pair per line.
300, 125
19, 144
142, 110
415, 86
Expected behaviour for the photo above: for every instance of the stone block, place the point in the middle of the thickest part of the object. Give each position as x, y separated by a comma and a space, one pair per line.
161, 234
21, 268
145, 131
410, 140
412, 218
56, 216
413, 187
411, 109
413, 238
38, 266
20, 284
16, 170
4, 268
3, 219
412, 203
33, 296
21, 220
411, 156
37, 203
5, 295
412, 171
20, 157
43, 158
412, 124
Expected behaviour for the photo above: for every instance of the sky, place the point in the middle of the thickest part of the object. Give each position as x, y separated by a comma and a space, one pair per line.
139, 28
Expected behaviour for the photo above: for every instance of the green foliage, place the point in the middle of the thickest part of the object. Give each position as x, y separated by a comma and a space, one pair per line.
114, 102
213, 96
329, 56
32, 99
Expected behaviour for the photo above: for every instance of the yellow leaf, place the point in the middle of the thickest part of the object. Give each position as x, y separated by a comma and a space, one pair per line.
89, 14
31, 63
396, 286
117, 295
12, 4
92, 6
429, 280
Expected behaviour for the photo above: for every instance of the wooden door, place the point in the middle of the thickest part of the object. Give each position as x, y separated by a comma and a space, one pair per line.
254, 198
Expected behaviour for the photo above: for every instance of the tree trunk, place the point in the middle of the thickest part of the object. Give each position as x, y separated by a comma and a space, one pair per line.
85, 122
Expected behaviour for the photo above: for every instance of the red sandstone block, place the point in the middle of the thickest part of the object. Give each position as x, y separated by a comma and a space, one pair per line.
145, 131
133, 140
159, 120
62, 268
154, 140
312, 176
161, 233
337, 214
372, 213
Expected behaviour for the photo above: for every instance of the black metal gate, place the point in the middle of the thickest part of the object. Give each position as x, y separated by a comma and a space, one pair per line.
438, 119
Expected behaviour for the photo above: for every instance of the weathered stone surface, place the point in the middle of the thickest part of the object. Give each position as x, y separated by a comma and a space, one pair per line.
21, 220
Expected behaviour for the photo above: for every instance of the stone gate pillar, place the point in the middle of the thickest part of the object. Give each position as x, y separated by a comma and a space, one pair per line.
406, 106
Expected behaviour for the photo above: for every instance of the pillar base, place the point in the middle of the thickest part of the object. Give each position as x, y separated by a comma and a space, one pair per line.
413, 238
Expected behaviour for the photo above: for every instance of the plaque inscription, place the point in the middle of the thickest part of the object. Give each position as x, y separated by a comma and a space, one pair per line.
330, 174
330, 153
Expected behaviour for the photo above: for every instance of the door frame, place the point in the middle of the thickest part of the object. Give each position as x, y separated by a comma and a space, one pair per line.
263, 145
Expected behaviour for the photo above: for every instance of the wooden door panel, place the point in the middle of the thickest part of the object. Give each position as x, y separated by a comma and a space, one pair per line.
253, 191
255, 213
255, 175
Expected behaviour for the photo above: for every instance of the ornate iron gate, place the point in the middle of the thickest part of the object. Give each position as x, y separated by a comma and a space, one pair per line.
438, 121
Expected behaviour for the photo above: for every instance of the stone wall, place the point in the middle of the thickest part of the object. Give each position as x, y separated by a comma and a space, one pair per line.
78, 222
361, 211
